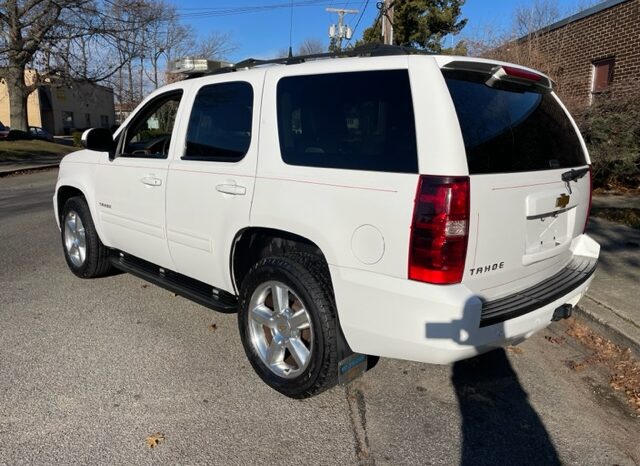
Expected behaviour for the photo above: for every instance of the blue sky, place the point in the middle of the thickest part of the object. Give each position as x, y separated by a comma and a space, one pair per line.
261, 28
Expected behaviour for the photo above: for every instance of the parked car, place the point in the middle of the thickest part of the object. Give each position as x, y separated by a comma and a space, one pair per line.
18, 135
427, 208
39, 133
4, 131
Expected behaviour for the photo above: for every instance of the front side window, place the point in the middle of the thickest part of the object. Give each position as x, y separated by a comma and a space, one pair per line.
149, 134
220, 123
356, 121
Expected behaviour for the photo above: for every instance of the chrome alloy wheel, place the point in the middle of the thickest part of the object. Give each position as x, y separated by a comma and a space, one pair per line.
75, 241
280, 329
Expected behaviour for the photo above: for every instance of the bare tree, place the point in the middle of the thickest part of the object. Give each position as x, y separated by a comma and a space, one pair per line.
166, 39
214, 46
531, 18
311, 46
63, 40
163, 37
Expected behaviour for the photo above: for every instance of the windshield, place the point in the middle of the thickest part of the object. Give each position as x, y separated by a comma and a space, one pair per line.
508, 130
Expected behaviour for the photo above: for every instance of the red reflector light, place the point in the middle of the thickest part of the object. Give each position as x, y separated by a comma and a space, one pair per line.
520, 73
440, 230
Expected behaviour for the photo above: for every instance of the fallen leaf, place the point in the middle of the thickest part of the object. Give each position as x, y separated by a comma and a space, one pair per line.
556, 340
155, 439
575, 366
625, 369
515, 350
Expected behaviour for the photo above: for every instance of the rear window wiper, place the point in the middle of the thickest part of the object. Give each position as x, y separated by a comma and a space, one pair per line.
573, 175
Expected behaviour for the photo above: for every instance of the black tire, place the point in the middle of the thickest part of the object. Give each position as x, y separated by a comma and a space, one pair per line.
96, 261
320, 271
321, 373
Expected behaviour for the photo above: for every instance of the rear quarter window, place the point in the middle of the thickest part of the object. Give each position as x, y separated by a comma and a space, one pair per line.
507, 131
356, 121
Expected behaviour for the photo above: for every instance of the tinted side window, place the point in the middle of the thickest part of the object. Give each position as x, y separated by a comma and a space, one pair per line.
220, 123
358, 121
512, 130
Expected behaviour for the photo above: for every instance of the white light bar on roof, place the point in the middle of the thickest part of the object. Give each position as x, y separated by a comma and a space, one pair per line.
191, 65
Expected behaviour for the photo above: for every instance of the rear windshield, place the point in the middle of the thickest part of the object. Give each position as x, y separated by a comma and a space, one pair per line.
512, 131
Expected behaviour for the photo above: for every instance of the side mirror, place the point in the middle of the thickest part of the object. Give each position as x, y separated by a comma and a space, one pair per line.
100, 140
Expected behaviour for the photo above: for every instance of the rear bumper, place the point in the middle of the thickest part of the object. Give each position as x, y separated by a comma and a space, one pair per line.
404, 319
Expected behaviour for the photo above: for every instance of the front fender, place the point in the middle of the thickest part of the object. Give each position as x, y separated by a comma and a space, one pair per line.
80, 176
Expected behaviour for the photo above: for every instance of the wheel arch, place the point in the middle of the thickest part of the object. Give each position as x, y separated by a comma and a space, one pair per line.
254, 243
65, 190
63, 194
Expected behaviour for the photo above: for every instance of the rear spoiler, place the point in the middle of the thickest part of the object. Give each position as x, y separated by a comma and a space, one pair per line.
503, 75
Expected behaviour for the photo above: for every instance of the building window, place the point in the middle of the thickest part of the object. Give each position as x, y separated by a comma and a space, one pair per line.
104, 121
67, 120
87, 120
602, 75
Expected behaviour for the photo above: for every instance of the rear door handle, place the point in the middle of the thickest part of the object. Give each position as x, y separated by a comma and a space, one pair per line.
151, 181
233, 189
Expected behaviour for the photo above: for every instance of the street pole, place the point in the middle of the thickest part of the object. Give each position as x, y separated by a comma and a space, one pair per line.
340, 31
387, 22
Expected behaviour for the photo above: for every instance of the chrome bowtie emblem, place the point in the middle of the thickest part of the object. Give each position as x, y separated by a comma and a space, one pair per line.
562, 201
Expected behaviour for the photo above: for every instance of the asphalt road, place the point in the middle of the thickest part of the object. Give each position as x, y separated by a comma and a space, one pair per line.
90, 368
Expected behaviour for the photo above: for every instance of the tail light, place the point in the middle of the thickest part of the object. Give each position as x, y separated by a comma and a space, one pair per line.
440, 230
586, 221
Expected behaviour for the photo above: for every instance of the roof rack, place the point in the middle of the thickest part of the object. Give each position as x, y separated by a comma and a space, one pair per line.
367, 50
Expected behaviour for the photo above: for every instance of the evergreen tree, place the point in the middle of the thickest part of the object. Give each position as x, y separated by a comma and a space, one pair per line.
421, 24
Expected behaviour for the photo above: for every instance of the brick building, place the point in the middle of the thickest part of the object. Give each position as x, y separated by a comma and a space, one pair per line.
594, 52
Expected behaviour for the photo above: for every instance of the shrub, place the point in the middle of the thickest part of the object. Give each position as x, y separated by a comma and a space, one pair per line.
611, 129
77, 138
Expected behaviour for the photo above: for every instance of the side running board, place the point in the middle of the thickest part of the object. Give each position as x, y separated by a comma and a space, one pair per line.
197, 291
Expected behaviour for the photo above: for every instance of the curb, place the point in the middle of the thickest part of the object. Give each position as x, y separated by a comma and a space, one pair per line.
607, 323
29, 169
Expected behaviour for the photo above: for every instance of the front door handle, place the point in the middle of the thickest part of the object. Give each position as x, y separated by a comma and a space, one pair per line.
233, 189
151, 181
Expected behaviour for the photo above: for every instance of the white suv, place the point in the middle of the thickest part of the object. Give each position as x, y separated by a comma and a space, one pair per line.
427, 208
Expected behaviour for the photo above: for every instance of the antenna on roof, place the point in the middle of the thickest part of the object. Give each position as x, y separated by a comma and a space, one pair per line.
291, 30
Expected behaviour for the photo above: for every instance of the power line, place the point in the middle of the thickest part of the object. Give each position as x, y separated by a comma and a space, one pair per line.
355, 28
239, 10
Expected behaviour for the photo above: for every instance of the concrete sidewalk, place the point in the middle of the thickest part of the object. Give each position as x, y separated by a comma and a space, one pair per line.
613, 300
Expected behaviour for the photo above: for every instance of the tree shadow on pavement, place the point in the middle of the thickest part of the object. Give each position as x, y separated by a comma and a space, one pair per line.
499, 425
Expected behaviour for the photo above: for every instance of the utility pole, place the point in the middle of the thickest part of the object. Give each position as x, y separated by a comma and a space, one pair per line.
386, 8
340, 31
